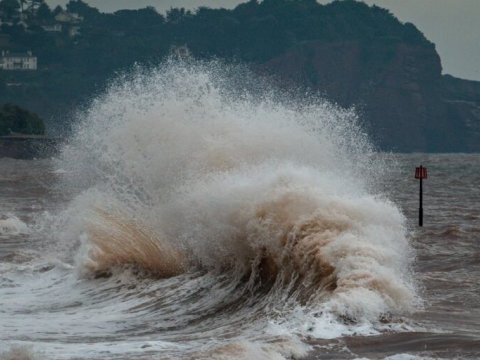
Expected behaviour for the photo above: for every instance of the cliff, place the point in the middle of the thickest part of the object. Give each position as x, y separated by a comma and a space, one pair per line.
405, 102
461, 99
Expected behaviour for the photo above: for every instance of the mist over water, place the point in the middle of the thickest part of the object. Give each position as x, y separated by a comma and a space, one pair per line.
209, 216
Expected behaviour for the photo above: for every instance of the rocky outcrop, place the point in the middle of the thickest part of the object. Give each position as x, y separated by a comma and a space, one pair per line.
462, 100
27, 147
397, 87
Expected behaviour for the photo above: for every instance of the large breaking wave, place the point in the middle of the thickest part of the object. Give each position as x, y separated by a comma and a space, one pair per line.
200, 168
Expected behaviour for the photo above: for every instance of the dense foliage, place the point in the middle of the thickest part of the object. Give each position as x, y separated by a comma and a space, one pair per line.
349, 52
13, 119
72, 68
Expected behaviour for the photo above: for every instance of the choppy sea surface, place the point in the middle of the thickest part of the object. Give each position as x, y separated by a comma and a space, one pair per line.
186, 220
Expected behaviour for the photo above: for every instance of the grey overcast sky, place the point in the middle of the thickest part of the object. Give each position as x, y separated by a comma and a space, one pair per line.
453, 25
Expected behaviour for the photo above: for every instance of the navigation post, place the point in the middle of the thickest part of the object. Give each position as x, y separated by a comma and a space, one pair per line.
420, 173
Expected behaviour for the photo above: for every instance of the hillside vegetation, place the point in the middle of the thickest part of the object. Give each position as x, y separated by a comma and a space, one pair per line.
352, 53
14, 120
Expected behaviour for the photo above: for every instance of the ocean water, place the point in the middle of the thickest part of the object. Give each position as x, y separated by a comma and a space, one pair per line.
196, 214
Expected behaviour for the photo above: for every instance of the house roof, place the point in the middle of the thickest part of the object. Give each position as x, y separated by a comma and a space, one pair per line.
11, 55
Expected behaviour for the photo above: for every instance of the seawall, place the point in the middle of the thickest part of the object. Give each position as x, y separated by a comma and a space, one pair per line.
28, 147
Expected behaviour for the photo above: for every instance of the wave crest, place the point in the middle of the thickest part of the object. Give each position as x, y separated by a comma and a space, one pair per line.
11, 225
202, 172
118, 241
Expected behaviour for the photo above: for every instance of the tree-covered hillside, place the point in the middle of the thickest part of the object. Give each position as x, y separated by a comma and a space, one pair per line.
15, 120
352, 53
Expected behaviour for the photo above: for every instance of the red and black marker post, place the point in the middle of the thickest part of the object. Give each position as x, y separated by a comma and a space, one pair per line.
420, 173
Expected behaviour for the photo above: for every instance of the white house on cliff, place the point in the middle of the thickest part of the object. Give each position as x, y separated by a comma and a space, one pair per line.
18, 61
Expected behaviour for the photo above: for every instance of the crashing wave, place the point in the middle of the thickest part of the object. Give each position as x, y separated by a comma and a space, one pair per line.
198, 166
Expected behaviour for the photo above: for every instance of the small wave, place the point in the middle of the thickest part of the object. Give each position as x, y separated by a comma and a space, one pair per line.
449, 232
452, 231
280, 349
408, 357
18, 352
11, 225
17, 257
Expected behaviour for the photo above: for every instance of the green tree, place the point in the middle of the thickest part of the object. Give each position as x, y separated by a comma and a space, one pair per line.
34, 5
22, 5
44, 13
175, 15
58, 9
9, 8
31, 6
14, 119
81, 8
